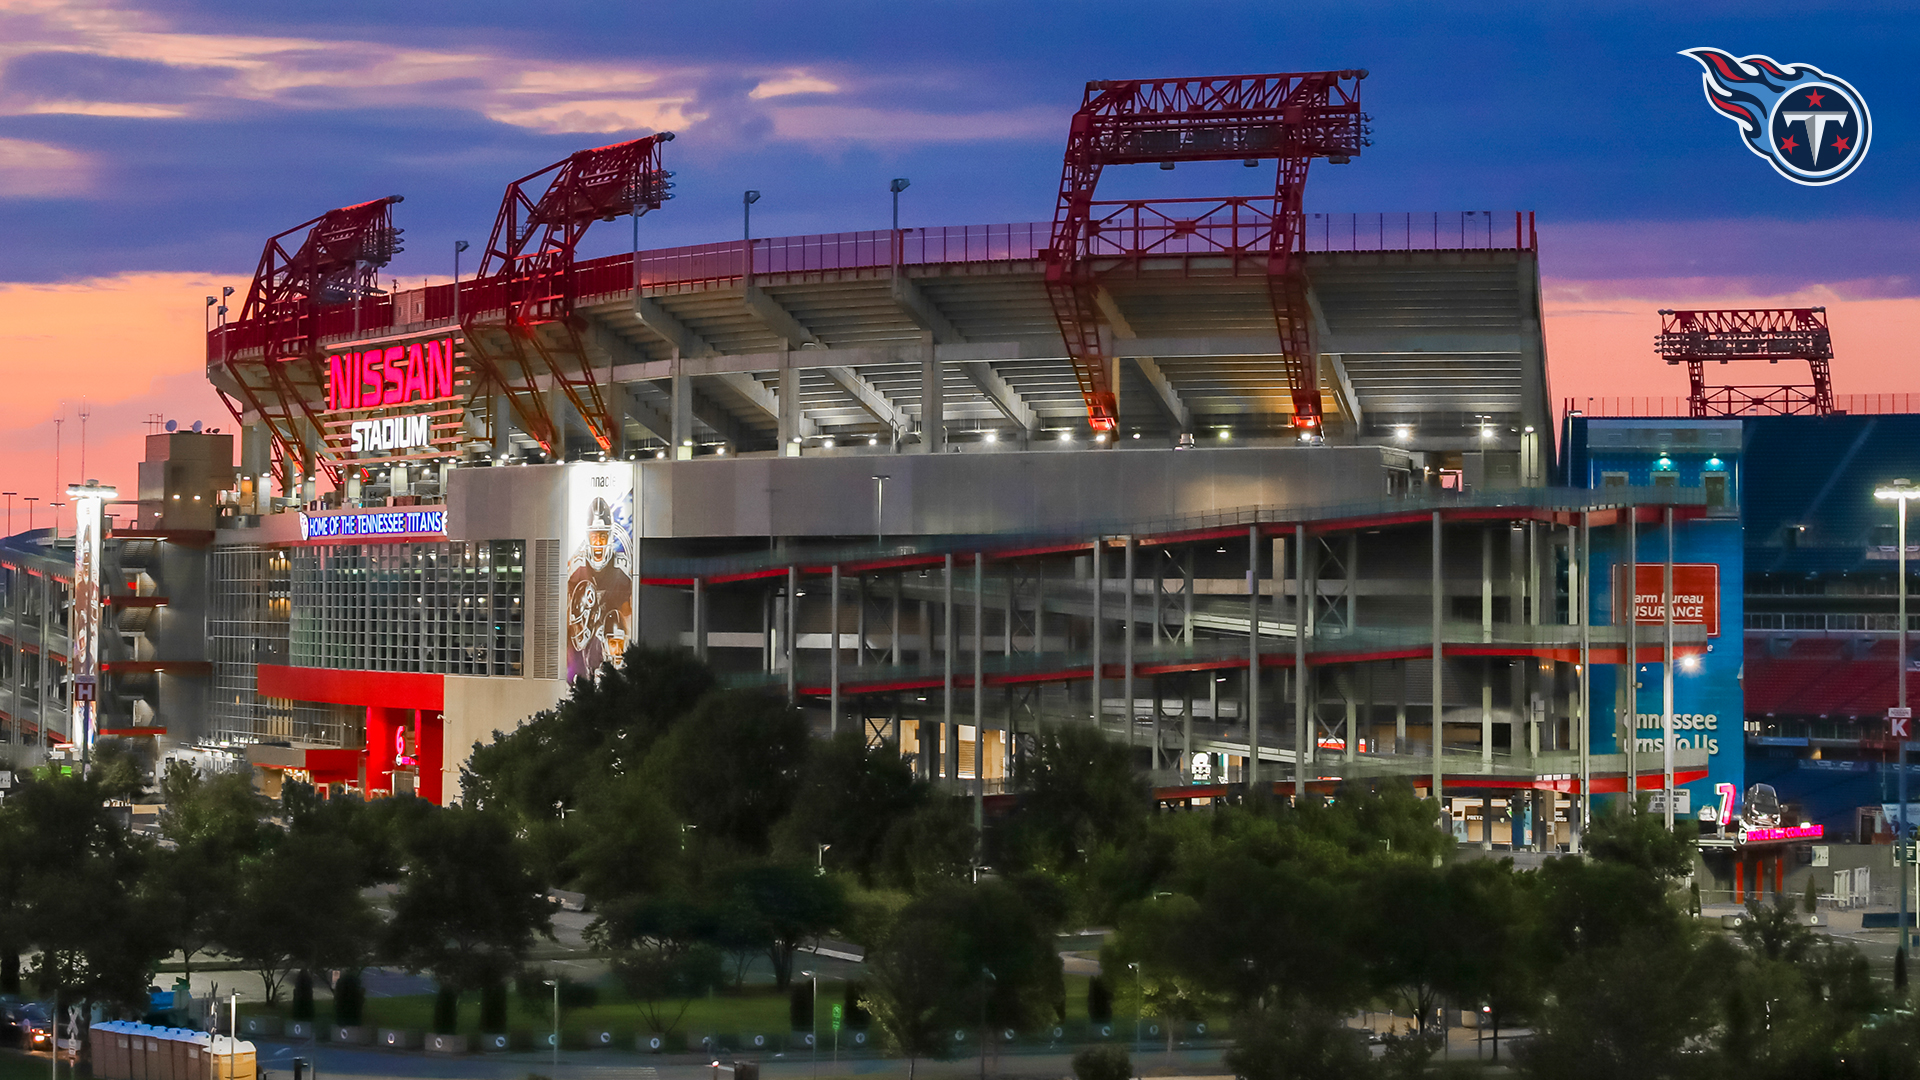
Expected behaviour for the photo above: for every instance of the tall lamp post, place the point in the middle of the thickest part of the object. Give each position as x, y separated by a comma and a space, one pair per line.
813, 1019
555, 983
9, 495
747, 199
897, 185
1900, 491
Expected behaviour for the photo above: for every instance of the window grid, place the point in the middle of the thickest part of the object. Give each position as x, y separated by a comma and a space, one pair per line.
449, 608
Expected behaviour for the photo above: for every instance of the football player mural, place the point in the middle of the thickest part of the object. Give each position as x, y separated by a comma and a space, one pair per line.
600, 571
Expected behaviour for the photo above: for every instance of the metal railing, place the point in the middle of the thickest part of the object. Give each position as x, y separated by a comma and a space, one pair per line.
1141, 228
1548, 499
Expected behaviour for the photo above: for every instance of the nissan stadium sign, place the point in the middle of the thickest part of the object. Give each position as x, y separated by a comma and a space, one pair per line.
395, 403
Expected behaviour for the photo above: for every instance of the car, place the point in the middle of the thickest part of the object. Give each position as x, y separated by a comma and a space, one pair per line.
25, 1024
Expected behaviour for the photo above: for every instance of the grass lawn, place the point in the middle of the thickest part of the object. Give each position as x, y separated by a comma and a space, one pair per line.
754, 1010
15, 1065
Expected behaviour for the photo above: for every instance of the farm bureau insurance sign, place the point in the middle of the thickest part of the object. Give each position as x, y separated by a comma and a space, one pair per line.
1696, 595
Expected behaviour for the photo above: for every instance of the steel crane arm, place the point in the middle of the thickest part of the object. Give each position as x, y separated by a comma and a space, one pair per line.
1292, 118
531, 254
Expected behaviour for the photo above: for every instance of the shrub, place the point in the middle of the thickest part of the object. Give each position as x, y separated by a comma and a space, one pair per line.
493, 1008
800, 1006
1099, 1000
1103, 1063
303, 995
349, 996
446, 1011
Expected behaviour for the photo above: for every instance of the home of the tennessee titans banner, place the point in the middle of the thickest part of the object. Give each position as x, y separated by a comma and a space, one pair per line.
1812, 127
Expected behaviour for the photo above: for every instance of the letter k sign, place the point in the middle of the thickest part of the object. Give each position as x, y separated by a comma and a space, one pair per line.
1900, 723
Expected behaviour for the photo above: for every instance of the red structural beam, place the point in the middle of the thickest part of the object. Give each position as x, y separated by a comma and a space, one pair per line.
1697, 338
337, 262
530, 258
1291, 118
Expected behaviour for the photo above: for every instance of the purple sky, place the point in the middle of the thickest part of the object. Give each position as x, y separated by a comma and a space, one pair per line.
176, 137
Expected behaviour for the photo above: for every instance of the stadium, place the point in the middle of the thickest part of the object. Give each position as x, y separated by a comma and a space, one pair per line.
1270, 495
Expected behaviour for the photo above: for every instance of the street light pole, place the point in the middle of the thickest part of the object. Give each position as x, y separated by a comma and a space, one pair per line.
747, 199
813, 1020
1900, 491
555, 983
897, 185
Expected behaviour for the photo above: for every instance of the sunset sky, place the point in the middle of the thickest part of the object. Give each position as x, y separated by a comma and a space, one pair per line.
147, 150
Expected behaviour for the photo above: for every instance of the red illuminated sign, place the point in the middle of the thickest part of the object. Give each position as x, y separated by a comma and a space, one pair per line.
393, 375
1696, 595
1783, 832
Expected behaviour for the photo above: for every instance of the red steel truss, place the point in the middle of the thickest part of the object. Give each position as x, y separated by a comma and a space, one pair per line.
1290, 117
338, 263
531, 256
1695, 338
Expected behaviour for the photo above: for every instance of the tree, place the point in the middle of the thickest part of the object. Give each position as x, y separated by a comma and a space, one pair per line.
1632, 1009
79, 892
469, 905
1297, 1044
781, 907
731, 768
301, 906
1103, 1063
629, 844
1081, 792
849, 796
956, 956
1641, 840
215, 824
933, 844
662, 953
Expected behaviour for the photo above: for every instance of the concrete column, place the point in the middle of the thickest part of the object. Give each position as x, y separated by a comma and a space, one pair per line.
893, 632
1098, 629
793, 622
681, 413
1253, 657
1353, 580
1486, 584
789, 405
1039, 606
833, 652
1666, 675
1186, 627
1486, 715
501, 412
1439, 708
1303, 740
699, 619
933, 429
1186, 722
1126, 650
1400, 713
1582, 724
952, 733
979, 703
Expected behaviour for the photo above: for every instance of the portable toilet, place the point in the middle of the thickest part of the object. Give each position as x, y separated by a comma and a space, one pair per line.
137, 1053
233, 1059
196, 1043
108, 1042
160, 1054
180, 1043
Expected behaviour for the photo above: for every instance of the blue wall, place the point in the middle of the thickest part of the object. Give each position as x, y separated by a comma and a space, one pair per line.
1707, 702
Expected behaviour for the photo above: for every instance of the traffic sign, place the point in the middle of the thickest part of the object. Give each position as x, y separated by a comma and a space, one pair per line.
836, 1018
1900, 723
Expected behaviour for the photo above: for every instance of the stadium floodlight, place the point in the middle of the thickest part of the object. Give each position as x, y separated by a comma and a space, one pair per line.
1901, 491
